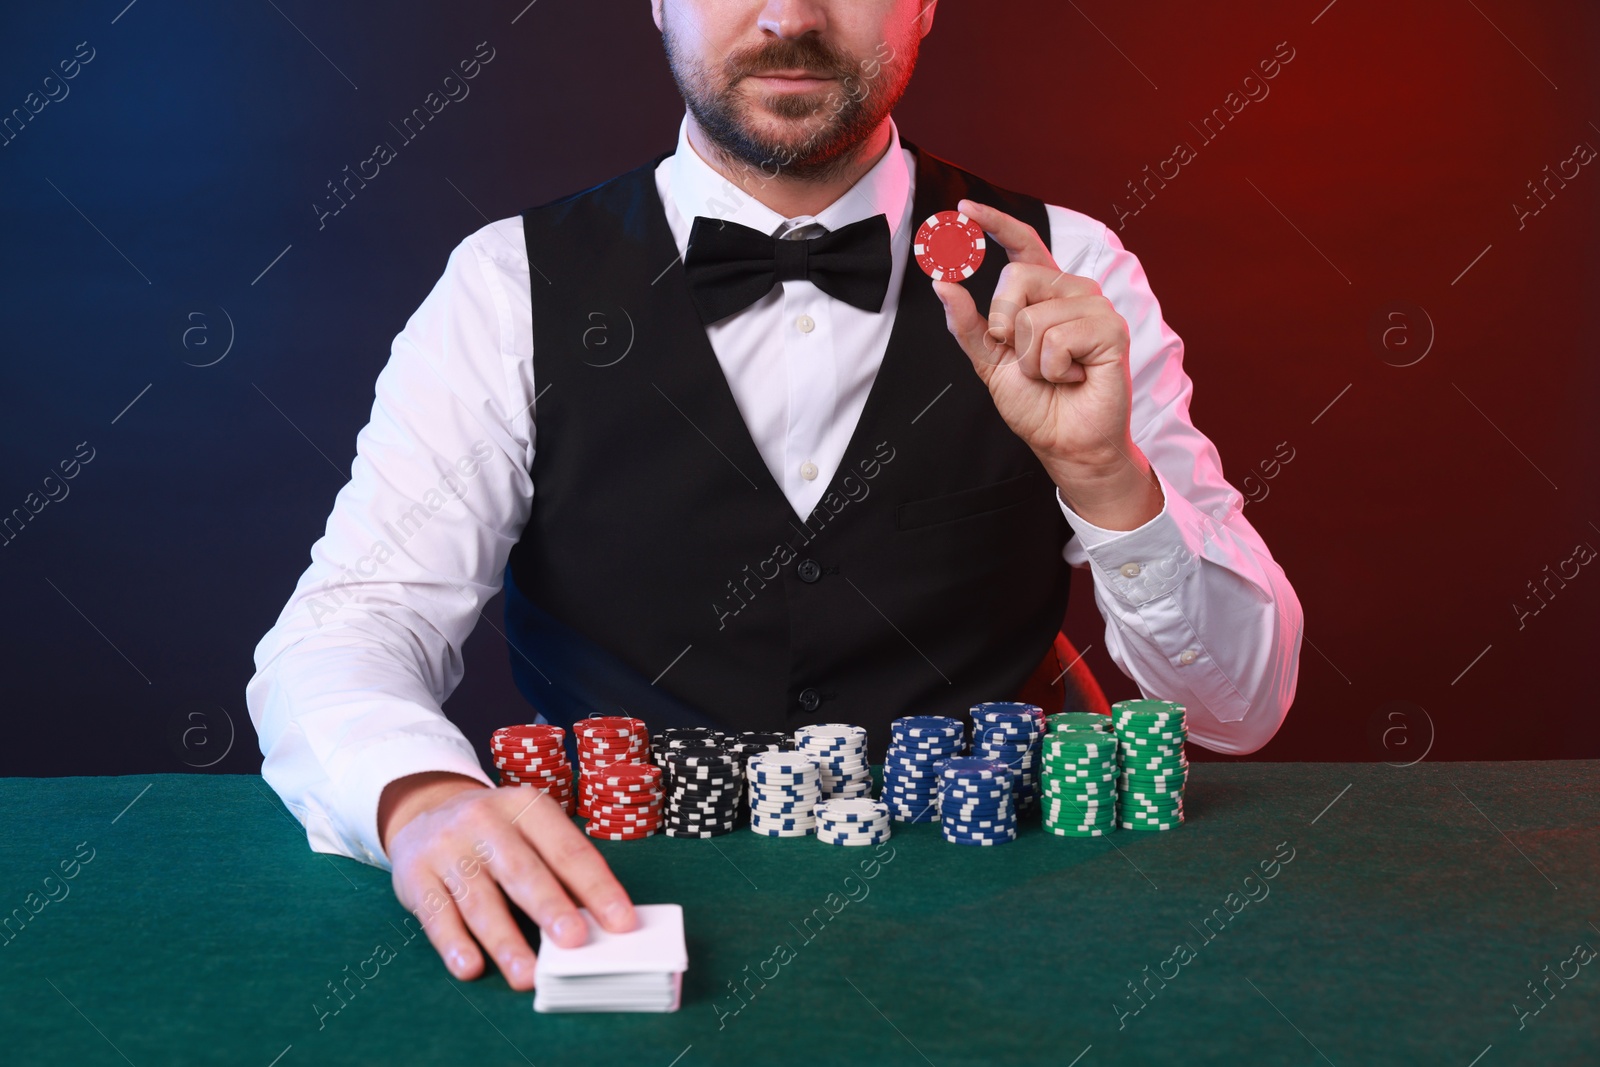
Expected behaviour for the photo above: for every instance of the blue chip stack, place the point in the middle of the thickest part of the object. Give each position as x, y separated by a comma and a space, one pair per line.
1010, 733
784, 793
910, 776
975, 804
841, 754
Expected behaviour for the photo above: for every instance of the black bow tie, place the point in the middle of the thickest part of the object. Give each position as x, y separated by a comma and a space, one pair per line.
731, 266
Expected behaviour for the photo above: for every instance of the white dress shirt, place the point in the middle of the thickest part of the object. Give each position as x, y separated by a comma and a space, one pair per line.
351, 678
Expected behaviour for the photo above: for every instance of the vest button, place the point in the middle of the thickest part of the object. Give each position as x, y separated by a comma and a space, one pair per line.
809, 699
809, 570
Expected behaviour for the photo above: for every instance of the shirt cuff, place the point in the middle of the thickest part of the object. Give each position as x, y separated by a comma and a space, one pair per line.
367, 775
1146, 563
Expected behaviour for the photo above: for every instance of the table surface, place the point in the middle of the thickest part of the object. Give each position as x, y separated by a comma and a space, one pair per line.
1417, 905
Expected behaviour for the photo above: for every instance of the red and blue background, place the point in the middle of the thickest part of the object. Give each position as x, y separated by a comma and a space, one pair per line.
1345, 258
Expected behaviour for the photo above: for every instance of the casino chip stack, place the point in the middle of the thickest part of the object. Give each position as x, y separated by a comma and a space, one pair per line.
604, 740
856, 821
624, 801
910, 775
534, 755
1150, 735
841, 754
1009, 733
703, 792
785, 789
975, 804
1079, 782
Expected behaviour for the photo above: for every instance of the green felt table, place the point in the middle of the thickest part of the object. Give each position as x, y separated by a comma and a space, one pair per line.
1417, 906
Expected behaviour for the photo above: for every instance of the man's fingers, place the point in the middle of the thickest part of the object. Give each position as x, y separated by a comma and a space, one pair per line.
1056, 339
442, 923
1029, 277
1021, 241
531, 885
572, 856
487, 916
965, 324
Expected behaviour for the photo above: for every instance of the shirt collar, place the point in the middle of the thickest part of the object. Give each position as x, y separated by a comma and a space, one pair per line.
698, 189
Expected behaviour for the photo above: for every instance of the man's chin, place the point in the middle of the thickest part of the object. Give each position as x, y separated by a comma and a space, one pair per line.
782, 135
784, 112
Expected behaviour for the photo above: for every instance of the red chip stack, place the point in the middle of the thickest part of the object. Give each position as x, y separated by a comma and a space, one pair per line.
624, 801
604, 741
534, 755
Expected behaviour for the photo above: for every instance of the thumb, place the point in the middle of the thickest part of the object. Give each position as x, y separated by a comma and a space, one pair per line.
970, 329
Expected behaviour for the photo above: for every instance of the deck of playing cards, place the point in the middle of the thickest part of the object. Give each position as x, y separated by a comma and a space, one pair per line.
641, 970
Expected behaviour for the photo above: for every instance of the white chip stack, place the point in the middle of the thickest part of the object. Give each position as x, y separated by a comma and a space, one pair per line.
853, 821
784, 792
841, 754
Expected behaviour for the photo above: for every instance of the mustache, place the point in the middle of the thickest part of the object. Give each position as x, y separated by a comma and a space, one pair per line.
802, 53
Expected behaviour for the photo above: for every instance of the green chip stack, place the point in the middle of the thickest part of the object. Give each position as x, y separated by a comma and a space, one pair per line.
1153, 768
1078, 781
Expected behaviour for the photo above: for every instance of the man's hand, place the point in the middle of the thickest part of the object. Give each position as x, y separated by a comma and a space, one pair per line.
1054, 354
460, 849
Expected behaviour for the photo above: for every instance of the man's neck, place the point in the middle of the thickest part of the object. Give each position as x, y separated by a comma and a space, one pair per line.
788, 196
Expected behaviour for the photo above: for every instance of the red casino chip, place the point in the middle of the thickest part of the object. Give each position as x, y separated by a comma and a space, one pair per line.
550, 785
561, 776
531, 772
611, 744
630, 812
527, 744
602, 807
607, 726
634, 777
949, 247
537, 733
531, 759
541, 743
522, 759
611, 835
626, 826
625, 796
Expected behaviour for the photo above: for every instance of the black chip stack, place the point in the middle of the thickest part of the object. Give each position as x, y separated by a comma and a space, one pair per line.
703, 797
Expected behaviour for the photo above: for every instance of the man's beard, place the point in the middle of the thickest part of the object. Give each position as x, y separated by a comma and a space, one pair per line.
846, 114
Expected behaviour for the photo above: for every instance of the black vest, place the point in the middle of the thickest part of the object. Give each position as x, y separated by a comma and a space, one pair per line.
662, 572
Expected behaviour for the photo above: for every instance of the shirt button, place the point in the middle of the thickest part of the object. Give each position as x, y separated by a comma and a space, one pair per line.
809, 570
809, 699
1130, 570
808, 470
805, 323
1188, 656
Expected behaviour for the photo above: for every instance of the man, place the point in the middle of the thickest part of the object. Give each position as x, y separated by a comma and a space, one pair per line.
768, 493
